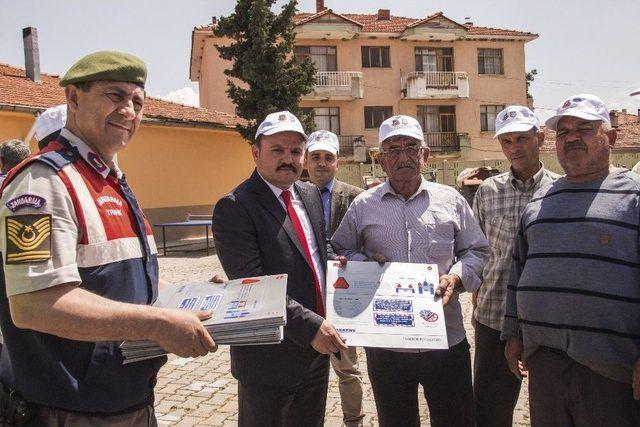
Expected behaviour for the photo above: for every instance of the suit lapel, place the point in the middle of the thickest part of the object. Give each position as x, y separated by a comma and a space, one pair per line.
268, 200
336, 201
313, 205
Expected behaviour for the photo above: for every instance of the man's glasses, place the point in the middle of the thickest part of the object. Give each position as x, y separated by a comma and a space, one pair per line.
411, 151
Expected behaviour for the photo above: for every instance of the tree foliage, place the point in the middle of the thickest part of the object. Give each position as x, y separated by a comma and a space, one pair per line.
270, 77
530, 77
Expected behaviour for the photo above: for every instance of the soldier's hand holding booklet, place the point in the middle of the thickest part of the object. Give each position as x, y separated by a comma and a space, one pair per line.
392, 305
246, 311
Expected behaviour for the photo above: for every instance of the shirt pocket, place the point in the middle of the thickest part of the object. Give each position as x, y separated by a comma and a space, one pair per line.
441, 241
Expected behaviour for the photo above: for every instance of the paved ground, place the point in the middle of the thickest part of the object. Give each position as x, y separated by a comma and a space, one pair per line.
202, 392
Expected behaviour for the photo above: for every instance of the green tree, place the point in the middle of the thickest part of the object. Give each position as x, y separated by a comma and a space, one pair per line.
530, 77
261, 54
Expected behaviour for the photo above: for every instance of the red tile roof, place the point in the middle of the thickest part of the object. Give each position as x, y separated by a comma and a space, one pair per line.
19, 91
628, 134
397, 24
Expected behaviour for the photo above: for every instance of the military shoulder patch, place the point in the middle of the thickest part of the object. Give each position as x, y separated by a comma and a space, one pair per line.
28, 238
26, 201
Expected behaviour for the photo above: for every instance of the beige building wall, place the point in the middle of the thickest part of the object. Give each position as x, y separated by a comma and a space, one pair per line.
382, 86
215, 97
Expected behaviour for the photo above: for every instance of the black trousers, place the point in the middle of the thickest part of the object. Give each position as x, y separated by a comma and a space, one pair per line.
266, 405
495, 388
564, 393
445, 376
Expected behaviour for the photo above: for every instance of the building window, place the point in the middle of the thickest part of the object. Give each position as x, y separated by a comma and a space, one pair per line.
325, 118
490, 61
323, 57
432, 59
375, 57
374, 116
488, 115
437, 118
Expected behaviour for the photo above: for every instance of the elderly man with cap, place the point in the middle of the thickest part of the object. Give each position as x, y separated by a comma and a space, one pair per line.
572, 315
321, 161
80, 265
498, 205
408, 219
273, 224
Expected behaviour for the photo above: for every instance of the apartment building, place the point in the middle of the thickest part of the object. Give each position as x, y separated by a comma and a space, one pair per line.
452, 77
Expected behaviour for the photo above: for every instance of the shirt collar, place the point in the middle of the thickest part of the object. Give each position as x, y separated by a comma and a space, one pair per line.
330, 185
388, 189
530, 183
91, 157
278, 191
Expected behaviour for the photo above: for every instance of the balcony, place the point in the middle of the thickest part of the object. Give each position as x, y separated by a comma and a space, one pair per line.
336, 86
440, 142
435, 85
348, 142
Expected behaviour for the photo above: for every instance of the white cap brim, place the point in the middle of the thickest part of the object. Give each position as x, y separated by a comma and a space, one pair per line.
282, 129
404, 132
321, 146
552, 122
515, 127
635, 92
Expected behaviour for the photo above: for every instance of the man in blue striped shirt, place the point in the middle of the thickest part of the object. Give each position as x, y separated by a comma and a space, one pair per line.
573, 302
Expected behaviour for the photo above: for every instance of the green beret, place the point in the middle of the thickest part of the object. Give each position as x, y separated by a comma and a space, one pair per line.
109, 66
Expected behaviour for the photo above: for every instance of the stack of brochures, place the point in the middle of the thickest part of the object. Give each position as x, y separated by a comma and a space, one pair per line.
246, 311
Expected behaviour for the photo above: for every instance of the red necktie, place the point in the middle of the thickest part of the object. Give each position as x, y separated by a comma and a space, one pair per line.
297, 225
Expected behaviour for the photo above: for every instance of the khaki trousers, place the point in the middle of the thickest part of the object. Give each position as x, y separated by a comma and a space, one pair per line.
350, 386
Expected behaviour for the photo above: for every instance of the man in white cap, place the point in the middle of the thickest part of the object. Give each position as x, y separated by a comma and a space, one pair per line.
498, 205
273, 224
408, 219
321, 161
49, 123
572, 301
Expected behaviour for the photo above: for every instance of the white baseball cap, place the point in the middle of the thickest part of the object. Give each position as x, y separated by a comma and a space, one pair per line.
515, 118
635, 92
323, 140
400, 125
282, 121
51, 120
583, 106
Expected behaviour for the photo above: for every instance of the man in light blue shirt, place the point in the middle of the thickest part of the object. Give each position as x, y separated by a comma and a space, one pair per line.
408, 219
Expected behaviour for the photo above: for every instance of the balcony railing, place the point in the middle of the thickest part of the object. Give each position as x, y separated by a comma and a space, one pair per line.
435, 84
442, 141
336, 78
347, 142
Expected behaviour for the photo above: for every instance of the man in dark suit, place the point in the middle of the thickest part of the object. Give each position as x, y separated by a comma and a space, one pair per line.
272, 224
321, 161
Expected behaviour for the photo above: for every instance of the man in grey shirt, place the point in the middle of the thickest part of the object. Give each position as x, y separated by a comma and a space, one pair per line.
572, 315
408, 219
498, 205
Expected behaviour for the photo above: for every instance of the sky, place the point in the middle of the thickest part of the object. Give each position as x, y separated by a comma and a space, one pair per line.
585, 46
